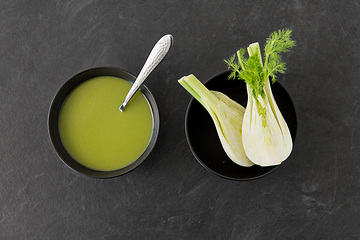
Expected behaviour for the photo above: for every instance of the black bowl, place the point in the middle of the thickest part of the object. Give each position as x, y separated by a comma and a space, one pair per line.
204, 141
57, 103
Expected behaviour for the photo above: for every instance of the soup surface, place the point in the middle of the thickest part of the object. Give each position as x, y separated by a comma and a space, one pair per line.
96, 133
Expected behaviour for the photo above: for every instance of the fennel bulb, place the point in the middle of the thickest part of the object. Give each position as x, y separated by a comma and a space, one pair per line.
227, 116
266, 137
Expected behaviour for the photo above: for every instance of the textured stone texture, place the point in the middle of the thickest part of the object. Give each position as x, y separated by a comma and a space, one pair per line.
315, 194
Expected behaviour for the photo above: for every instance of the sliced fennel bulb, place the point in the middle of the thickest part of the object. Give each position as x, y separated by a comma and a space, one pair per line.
227, 116
266, 137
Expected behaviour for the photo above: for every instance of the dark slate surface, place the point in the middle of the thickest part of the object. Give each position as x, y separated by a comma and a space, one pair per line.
315, 194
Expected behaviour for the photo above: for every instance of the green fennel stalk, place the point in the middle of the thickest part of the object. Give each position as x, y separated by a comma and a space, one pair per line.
254, 70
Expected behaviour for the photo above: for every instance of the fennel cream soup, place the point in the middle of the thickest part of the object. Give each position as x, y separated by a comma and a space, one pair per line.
96, 133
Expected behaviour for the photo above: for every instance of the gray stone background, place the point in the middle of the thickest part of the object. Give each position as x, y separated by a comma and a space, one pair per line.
315, 194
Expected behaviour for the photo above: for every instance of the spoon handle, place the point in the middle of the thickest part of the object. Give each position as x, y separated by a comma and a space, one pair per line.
157, 54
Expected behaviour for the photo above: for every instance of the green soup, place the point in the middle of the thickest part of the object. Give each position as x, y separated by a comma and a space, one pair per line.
96, 133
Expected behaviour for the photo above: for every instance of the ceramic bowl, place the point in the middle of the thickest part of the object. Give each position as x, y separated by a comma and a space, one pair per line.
55, 109
203, 139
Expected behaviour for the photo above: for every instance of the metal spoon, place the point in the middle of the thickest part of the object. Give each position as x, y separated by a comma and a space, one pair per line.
157, 54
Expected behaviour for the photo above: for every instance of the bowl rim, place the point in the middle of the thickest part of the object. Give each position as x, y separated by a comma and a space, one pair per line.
56, 106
